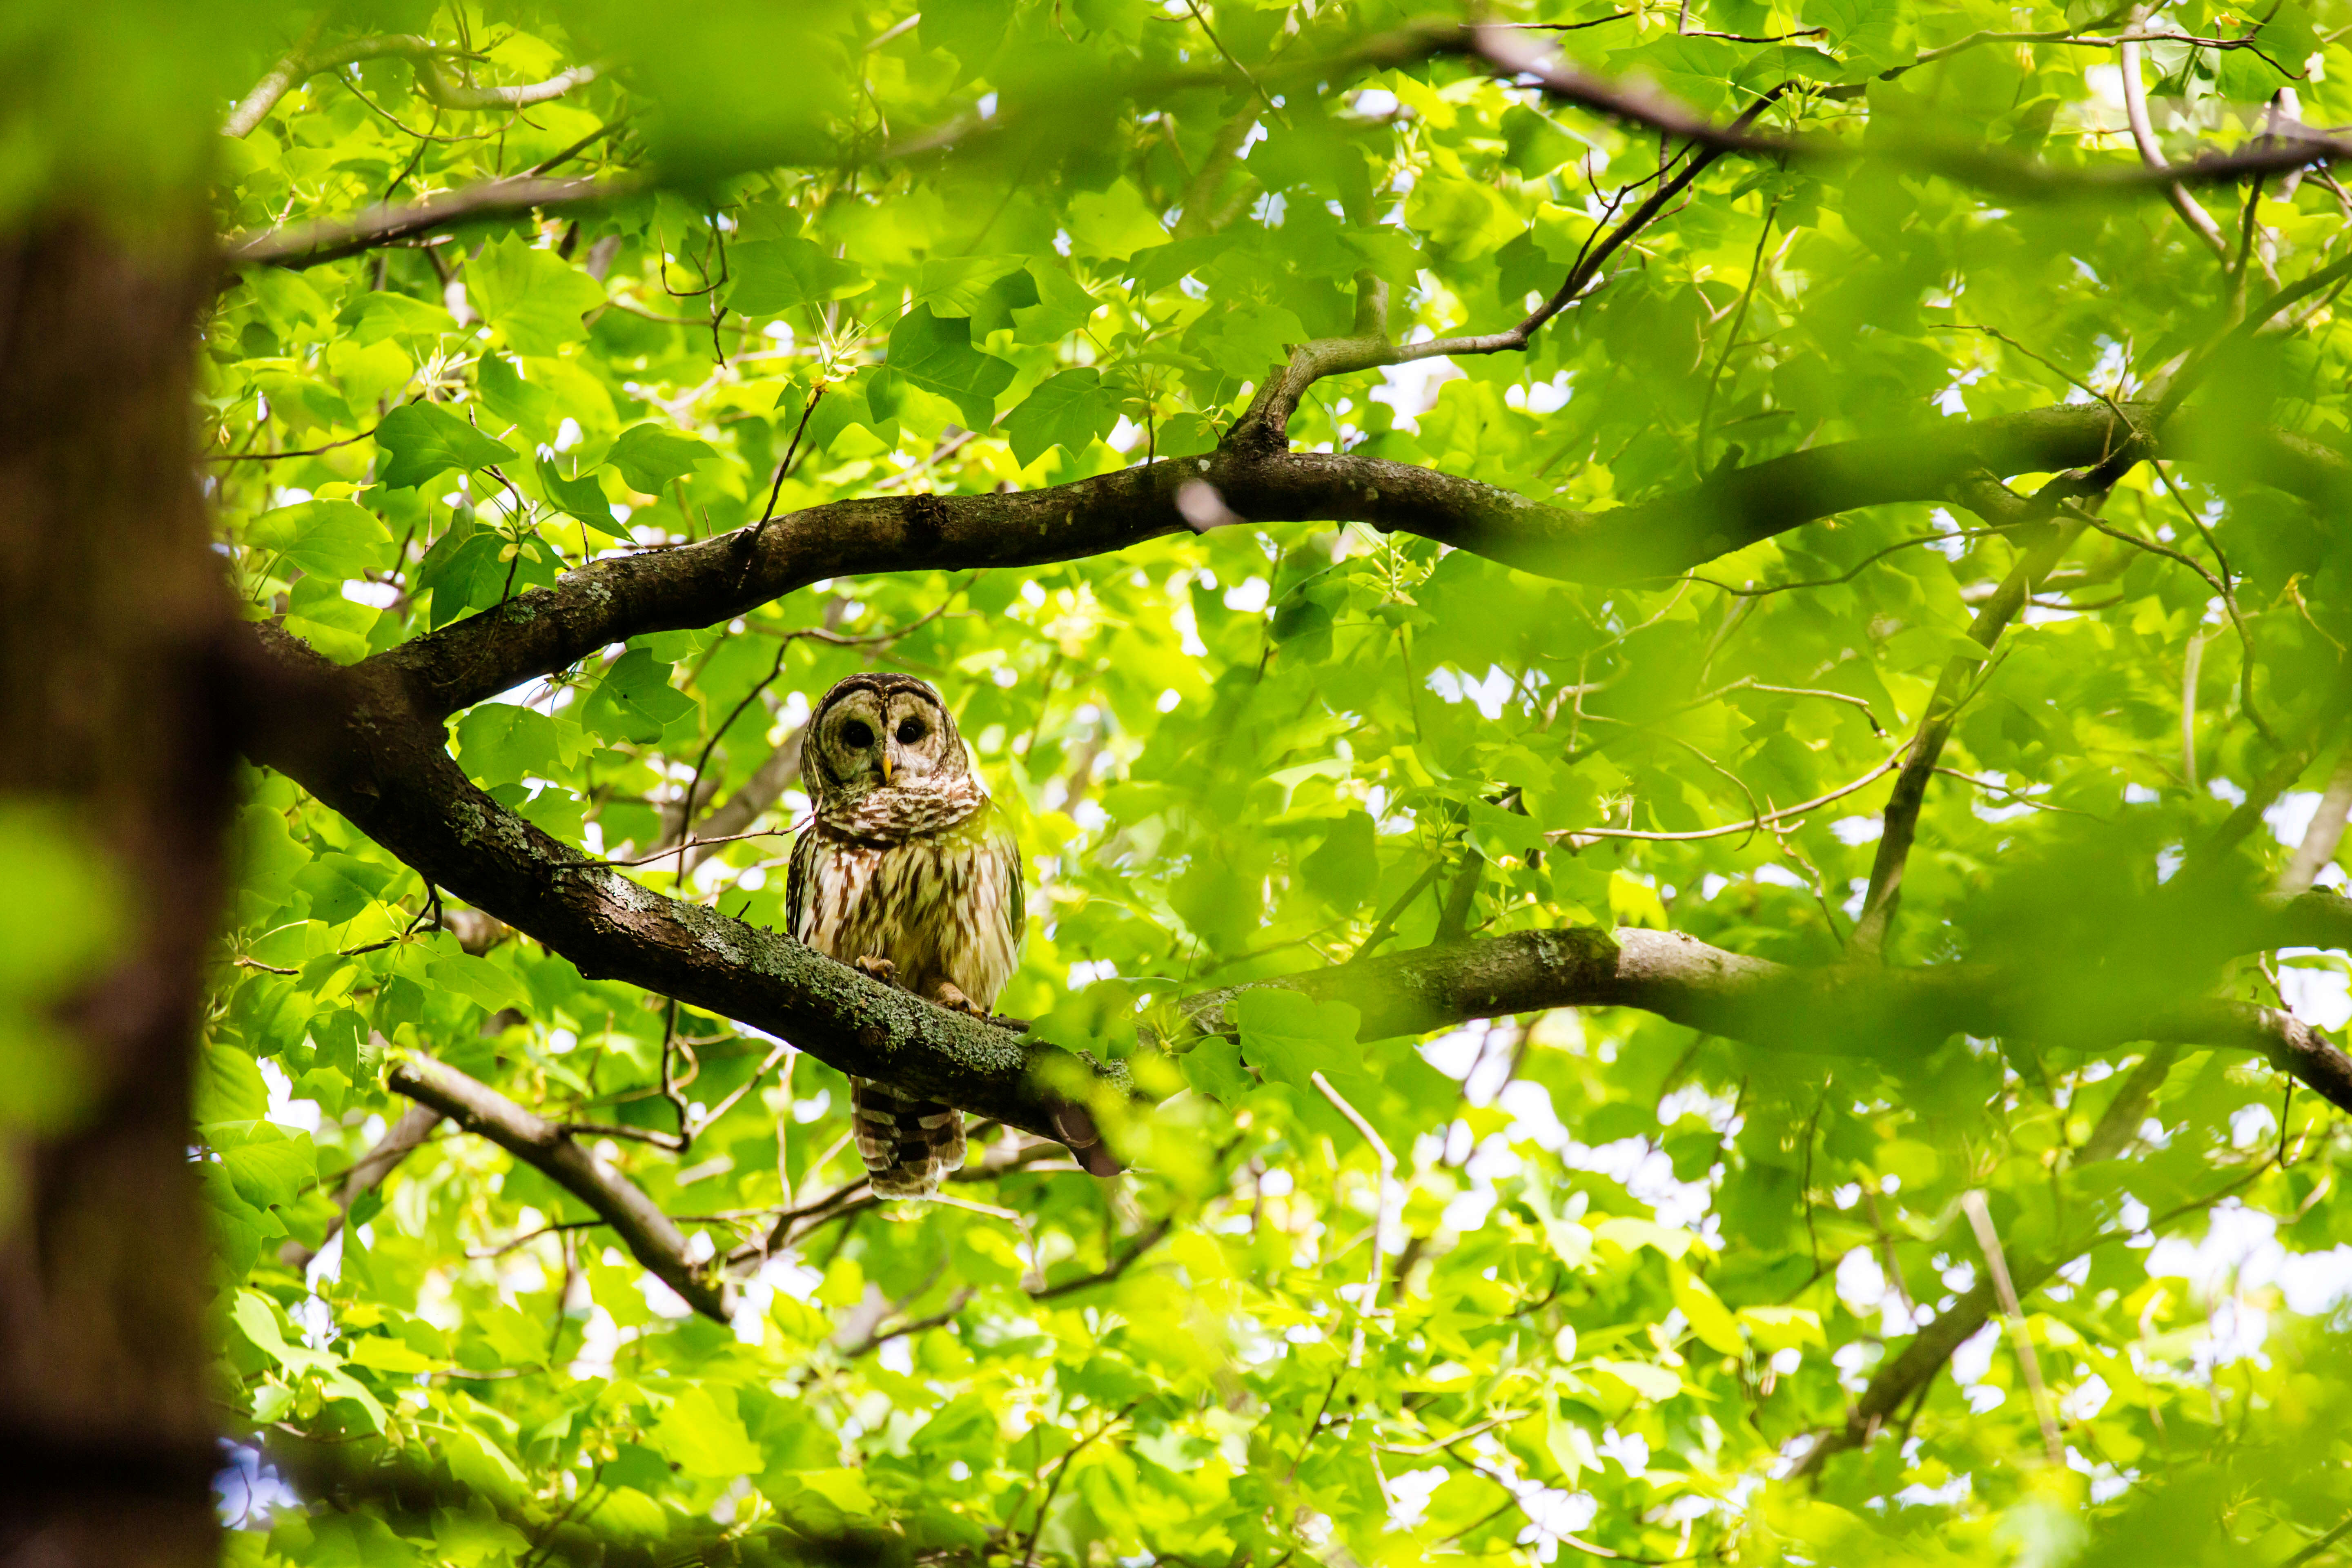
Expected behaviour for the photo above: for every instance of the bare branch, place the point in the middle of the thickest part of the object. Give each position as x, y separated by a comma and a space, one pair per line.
2003, 174
2200, 222
2321, 839
651, 1235
403, 1138
332, 240
306, 59
544, 630
254, 107
1959, 676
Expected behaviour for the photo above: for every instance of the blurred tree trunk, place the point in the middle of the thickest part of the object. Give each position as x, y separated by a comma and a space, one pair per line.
113, 616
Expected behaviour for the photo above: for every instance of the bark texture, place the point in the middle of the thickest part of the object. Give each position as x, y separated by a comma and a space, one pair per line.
115, 630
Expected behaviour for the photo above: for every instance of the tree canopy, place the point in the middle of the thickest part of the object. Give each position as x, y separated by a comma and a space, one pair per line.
1674, 678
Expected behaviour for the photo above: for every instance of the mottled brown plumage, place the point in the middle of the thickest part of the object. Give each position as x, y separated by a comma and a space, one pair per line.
907, 870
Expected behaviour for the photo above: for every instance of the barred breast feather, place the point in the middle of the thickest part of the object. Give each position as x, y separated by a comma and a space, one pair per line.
945, 907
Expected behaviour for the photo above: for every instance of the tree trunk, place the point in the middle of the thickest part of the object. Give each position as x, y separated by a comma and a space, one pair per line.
114, 618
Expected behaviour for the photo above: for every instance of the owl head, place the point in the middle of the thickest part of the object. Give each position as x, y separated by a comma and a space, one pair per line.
881, 732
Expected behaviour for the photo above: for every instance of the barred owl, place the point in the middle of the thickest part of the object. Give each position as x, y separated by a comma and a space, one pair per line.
909, 871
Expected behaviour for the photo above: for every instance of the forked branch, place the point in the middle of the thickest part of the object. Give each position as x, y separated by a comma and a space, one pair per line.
651, 1235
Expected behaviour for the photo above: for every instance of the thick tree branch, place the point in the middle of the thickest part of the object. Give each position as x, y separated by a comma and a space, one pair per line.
1837, 1011
544, 630
332, 240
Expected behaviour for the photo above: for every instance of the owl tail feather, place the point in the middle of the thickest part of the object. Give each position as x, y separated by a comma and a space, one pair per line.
908, 1145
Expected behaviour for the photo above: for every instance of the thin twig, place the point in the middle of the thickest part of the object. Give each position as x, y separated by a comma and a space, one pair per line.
1764, 819
1370, 1301
1981, 1219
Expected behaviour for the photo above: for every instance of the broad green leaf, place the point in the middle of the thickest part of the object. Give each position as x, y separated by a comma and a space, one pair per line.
1710, 1319
1115, 223
936, 355
506, 394
583, 497
952, 285
634, 701
329, 538
1291, 1037
423, 439
1062, 307
532, 296
491, 984
649, 457
229, 1087
772, 275
1068, 410
503, 740
698, 1434
269, 1171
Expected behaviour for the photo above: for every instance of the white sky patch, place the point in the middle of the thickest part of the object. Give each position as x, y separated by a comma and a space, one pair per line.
1412, 388
1250, 597
1489, 692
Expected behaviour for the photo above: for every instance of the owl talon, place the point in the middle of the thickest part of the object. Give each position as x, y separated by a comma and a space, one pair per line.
880, 969
950, 996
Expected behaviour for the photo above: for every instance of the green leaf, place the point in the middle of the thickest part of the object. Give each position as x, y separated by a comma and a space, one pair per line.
1710, 1319
1214, 1068
229, 1087
270, 1170
1068, 410
1115, 223
1345, 868
1873, 35
462, 571
583, 497
533, 296
500, 742
772, 275
1651, 1383
257, 1319
328, 538
377, 315
340, 885
1062, 307
1249, 341
1783, 1328
952, 285
1289, 1036
423, 439
503, 391
479, 980
649, 457
705, 1440
381, 1354
634, 701
936, 355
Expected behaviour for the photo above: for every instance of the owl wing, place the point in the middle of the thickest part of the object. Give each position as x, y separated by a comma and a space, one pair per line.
1007, 851
799, 883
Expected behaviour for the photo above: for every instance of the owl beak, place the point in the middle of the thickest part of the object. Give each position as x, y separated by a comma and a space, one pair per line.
888, 769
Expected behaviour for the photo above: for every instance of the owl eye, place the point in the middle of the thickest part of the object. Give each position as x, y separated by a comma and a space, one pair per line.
857, 736
910, 731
